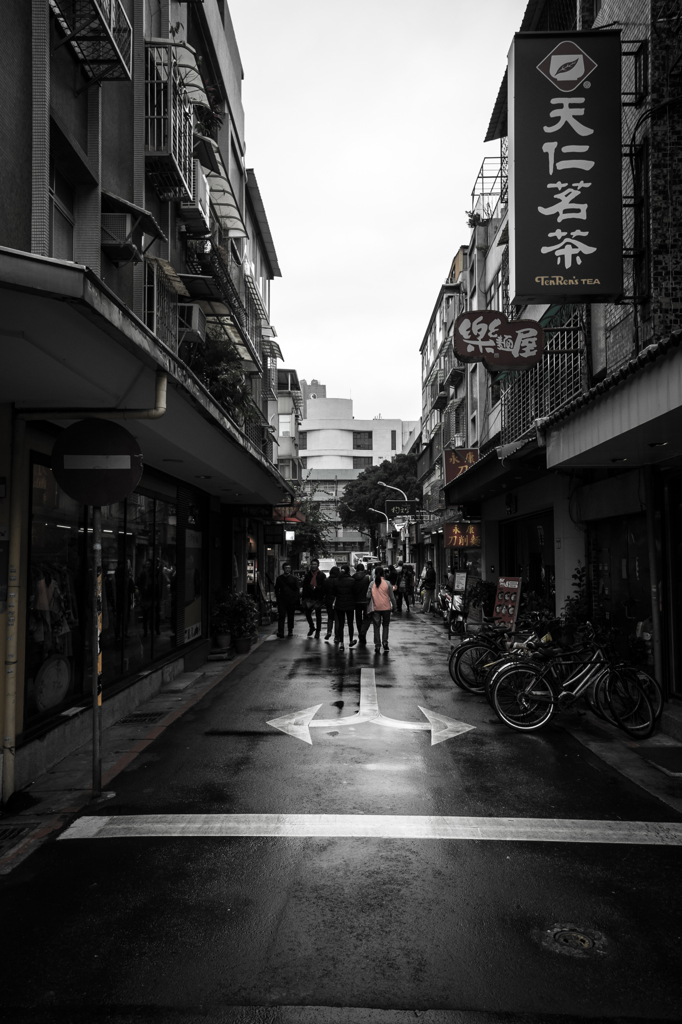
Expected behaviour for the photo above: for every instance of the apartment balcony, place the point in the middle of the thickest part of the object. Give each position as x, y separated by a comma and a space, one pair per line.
160, 303
100, 35
453, 369
559, 377
168, 125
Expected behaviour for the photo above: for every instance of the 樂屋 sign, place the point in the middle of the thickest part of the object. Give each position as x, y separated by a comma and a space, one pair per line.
565, 195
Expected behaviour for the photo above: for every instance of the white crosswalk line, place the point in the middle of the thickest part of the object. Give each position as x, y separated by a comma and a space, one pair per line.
376, 826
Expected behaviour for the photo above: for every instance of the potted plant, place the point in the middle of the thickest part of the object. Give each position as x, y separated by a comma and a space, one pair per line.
221, 610
243, 622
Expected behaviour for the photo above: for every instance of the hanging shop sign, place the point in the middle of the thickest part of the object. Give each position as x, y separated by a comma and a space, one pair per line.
251, 511
289, 513
401, 508
565, 195
487, 336
458, 461
507, 600
97, 462
462, 535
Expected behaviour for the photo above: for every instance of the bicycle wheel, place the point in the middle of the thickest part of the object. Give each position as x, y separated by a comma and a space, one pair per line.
500, 665
523, 698
602, 700
631, 707
649, 686
468, 665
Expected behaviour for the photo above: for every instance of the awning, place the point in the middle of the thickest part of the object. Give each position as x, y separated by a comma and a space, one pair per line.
189, 72
225, 204
171, 273
492, 475
207, 153
114, 204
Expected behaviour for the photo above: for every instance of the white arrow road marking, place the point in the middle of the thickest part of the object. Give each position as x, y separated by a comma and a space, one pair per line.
376, 826
300, 723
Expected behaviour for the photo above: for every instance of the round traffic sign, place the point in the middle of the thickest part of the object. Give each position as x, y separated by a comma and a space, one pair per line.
97, 462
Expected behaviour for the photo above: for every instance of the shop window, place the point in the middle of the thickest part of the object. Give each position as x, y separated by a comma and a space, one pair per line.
56, 622
362, 439
152, 550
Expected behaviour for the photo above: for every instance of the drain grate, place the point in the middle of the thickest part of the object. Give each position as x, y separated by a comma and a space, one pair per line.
10, 833
142, 718
573, 940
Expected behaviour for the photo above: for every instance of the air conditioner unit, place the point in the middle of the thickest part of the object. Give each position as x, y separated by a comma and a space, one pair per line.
191, 323
195, 211
117, 242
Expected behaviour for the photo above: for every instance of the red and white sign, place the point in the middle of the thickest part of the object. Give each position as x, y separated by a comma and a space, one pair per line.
507, 599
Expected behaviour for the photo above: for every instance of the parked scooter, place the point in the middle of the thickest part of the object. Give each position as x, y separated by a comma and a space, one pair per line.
451, 607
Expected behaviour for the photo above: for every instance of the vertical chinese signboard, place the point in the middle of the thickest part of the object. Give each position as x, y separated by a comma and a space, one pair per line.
565, 217
458, 461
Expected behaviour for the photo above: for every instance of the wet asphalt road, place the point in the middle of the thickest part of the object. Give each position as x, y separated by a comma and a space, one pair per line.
185, 928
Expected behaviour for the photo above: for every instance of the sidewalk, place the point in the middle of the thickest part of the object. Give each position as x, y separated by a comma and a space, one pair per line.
53, 798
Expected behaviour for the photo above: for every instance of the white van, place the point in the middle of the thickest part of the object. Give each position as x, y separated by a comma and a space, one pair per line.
327, 563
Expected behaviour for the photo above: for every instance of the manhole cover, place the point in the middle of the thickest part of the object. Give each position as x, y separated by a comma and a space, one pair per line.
572, 940
142, 718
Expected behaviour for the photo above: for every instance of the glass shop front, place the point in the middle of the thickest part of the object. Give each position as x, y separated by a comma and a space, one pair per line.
154, 583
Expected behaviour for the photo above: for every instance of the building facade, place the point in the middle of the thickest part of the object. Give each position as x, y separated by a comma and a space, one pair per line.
578, 460
335, 448
135, 269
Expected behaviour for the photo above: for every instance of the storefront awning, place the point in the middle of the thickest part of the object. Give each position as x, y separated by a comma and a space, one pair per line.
493, 475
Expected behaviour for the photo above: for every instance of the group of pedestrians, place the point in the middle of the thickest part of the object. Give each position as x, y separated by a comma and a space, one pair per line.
354, 601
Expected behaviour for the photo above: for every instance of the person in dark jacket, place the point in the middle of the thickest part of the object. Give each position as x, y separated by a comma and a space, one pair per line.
313, 596
404, 586
286, 592
361, 580
329, 599
429, 587
391, 575
344, 593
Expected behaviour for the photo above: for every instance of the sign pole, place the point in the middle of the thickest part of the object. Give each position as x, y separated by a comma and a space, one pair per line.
96, 651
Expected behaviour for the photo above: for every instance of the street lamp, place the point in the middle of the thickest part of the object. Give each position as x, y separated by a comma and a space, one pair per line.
390, 487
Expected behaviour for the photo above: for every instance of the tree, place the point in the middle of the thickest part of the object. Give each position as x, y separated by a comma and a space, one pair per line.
311, 536
364, 493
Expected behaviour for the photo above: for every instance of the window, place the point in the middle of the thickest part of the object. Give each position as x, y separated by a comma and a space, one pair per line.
362, 439
303, 440
361, 461
61, 216
304, 463
284, 466
394, 440
285, 424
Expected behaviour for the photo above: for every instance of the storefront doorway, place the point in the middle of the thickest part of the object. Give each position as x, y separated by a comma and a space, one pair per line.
527, 550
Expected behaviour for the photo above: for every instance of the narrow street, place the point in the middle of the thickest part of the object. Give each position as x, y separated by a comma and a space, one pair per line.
242, 926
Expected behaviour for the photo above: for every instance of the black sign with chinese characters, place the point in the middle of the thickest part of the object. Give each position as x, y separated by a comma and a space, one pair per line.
565, 216
485, 335
394, 509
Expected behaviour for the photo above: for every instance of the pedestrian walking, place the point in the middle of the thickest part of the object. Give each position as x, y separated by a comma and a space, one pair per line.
287, 594
391, 575
381, 603
362, 580
429, 587
329, 599
313, 595
404, 586
344, 607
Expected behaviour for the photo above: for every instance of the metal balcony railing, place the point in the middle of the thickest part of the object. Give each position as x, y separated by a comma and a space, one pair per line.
99, 34
527, 395
168, 125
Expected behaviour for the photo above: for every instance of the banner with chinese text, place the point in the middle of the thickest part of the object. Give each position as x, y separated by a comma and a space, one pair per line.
565, 194
462, 535
458, 461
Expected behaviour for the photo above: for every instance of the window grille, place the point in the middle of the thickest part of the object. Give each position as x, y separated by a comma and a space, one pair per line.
168, 126
527, 395
160, 305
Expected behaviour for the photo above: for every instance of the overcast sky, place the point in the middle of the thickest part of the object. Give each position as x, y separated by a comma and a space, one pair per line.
365, 122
